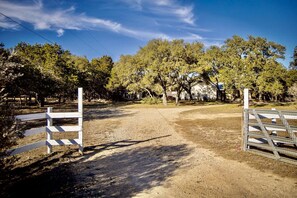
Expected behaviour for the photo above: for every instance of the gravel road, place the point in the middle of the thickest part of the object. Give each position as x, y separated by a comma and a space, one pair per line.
144, 155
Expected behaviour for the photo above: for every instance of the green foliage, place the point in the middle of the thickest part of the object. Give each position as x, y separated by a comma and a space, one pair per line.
46, 71
252, 64
8, 68
291, 77
156, 56
159, 67
293, 90
96, 76
8, 132
50, 71
293, 63
191, 66
128, 72
163, 65
151, 100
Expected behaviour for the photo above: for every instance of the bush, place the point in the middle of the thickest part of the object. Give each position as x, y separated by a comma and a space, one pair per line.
151, 100
8, 129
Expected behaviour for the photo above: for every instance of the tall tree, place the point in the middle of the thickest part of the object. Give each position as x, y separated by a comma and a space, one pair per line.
293, 63
129, 73
246, 60
44, 70
98, 74
192, 70
213, 62
233, 74
156, 57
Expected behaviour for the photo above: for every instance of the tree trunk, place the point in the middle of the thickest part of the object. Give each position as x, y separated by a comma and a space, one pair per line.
178, 92
241, 94
26, 100
188, 90
218, 95
190, 93
36, 99
164, 97
219, 92
261, 97
40, 100
223, 95
20, 100
148, 91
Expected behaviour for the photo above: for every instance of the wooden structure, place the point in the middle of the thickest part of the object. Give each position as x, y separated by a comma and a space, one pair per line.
50, 128
270, 133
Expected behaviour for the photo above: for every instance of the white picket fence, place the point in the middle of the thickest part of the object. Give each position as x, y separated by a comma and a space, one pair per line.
50, 129
270, 133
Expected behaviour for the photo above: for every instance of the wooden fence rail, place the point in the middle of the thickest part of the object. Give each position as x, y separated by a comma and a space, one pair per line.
49, 129
270, 133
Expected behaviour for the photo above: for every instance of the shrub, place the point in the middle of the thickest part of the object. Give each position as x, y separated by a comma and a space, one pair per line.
8, 129
9, 71
151, 100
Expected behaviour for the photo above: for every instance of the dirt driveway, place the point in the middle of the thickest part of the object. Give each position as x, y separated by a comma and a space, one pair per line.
142, 152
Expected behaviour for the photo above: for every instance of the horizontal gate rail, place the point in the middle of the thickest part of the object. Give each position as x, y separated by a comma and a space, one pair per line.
275, 138
34, 131
27, 147
50, 129
28, 117
268, 133
64, 142
271, 126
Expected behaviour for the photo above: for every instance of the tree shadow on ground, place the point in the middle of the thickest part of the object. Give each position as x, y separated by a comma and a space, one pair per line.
127, 173
104, 113
92, 150
121, 174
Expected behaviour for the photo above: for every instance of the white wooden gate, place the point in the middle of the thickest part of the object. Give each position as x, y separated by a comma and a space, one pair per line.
50, 129
270, 133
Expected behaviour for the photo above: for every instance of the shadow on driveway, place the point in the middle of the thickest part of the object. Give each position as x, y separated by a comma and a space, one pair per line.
121, 174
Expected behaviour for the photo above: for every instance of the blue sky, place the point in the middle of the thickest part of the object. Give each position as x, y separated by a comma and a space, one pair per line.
94, 28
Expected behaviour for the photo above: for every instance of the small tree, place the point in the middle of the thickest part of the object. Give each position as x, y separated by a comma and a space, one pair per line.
8, 73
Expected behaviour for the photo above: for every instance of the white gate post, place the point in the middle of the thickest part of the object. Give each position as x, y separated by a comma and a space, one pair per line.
245, 118
273, 121
48, 132
80, 119
246, 98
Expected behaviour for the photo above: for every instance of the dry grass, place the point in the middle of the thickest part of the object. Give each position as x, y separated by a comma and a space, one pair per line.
223, 135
